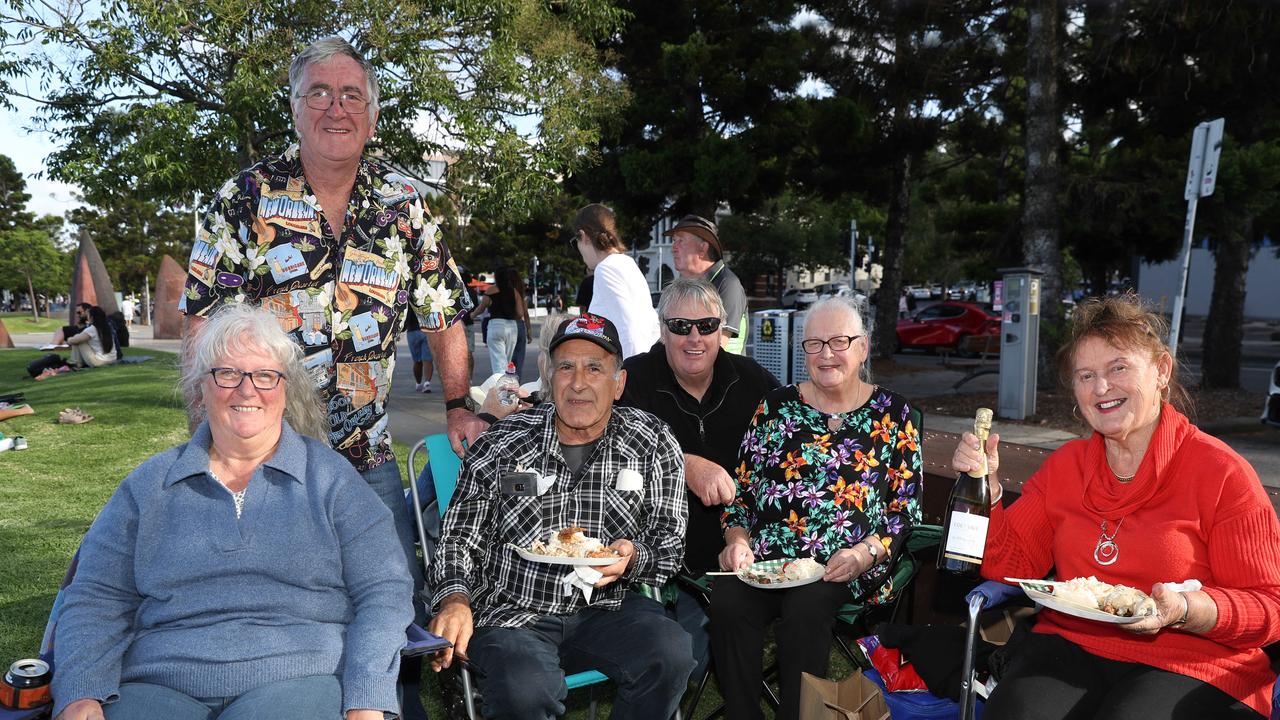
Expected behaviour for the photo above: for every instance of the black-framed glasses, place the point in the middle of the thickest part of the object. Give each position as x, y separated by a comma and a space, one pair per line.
682, 326
839, 343
323, 100
231, 378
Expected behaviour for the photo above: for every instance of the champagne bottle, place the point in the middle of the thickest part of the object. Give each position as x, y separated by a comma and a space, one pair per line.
964, 531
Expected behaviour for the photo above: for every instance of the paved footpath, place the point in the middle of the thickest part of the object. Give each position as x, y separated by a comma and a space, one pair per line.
415, 415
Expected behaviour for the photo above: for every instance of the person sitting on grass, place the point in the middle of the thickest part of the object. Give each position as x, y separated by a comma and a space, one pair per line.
95, 345
61, 334
247, 573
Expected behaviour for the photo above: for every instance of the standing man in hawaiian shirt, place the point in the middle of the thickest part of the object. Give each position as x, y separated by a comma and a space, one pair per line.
341, 248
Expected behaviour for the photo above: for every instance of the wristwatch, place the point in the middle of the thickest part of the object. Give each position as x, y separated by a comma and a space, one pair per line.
458, 403
873, 547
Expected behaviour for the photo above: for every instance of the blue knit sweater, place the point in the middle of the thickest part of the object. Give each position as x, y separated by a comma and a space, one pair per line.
173, 590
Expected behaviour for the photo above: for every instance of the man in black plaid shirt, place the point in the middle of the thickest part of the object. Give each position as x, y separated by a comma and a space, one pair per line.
617, 473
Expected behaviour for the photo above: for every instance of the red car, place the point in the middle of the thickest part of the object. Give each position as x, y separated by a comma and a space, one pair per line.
947, 325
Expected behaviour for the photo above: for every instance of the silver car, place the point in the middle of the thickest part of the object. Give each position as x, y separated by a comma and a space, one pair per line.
798, 298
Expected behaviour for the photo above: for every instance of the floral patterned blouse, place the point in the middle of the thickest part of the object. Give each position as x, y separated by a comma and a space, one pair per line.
810, 483
265, 240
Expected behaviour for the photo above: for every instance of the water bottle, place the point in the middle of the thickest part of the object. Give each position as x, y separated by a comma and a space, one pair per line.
509, 386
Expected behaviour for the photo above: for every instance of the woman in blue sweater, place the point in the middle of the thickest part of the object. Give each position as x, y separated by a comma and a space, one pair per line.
247, 573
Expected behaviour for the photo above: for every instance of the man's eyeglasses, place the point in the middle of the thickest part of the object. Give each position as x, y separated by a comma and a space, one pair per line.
682, 326
839, 343
231, 378
323, 100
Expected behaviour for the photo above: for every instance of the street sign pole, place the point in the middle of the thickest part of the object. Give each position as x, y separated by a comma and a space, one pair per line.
535, 281
853, 253
1175, 323
1202, 178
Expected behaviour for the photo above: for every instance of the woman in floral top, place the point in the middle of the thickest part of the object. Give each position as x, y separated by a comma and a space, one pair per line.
830, 469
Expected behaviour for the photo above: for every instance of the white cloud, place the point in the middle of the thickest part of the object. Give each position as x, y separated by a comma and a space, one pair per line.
28, 151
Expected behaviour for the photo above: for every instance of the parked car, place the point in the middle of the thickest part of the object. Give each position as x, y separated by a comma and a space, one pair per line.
962, 291
1271, 408
947, 324
798, 298
935, 291
830, 289
920, 292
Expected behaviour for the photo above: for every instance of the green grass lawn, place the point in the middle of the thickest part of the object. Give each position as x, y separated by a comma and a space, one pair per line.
23, 323
50, 493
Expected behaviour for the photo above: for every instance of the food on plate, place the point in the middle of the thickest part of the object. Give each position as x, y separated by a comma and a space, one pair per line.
573, 542
1085, 592
1124, 601
791, 570
1092, 593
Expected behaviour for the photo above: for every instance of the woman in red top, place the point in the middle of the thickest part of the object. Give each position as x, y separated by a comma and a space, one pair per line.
1146, 499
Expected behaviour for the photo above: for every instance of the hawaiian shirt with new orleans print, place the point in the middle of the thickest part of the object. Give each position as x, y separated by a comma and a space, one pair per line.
265, 240
810, 483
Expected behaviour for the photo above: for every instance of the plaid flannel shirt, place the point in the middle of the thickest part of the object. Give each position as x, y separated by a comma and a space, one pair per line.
476, 556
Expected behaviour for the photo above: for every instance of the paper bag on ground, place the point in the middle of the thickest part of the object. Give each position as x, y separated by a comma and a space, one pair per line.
854, 698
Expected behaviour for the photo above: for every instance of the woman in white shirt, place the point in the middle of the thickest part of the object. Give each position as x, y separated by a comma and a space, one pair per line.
94, 346
619, 292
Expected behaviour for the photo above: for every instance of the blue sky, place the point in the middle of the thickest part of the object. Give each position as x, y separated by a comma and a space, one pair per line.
28, 151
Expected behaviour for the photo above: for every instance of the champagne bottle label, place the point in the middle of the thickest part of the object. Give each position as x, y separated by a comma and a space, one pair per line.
967, 537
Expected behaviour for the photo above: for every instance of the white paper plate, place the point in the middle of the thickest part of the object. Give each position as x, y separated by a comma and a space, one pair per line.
562, 560
772, 566
1042, 593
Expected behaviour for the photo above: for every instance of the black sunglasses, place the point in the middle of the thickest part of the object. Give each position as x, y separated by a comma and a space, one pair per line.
682, 326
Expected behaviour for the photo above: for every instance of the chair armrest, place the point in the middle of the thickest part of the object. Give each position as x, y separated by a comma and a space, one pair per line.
420, 642
994, 593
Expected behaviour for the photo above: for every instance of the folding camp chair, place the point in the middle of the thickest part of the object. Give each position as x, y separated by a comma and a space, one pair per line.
417, 642
905, 568
441, 474
47, 644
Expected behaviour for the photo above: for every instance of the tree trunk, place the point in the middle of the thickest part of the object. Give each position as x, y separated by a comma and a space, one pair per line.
1040, 213
1224, 328
886, 331
31, 293
885, 339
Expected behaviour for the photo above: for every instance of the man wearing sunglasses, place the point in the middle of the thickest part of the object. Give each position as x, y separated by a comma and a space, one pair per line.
708, 398
697, 252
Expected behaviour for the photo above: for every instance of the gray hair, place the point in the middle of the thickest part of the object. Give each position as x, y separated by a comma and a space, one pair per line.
854, 307
697, 290
239, 328
326, 49
548, 331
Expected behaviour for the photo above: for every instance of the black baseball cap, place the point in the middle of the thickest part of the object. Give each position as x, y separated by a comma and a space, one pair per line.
587, 326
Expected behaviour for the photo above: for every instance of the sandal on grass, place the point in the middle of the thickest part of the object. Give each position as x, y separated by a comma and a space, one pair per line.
73, 416
11, 411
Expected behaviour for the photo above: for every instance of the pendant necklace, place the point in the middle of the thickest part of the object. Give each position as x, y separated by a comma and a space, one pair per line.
1106, 551
834, 423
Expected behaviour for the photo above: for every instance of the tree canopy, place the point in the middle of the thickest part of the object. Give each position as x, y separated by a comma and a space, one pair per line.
13, 196
164, 98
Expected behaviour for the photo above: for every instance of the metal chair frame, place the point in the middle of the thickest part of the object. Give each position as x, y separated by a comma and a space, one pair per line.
444, 465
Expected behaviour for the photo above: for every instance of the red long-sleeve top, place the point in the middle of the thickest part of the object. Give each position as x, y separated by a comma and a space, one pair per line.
1195, 509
